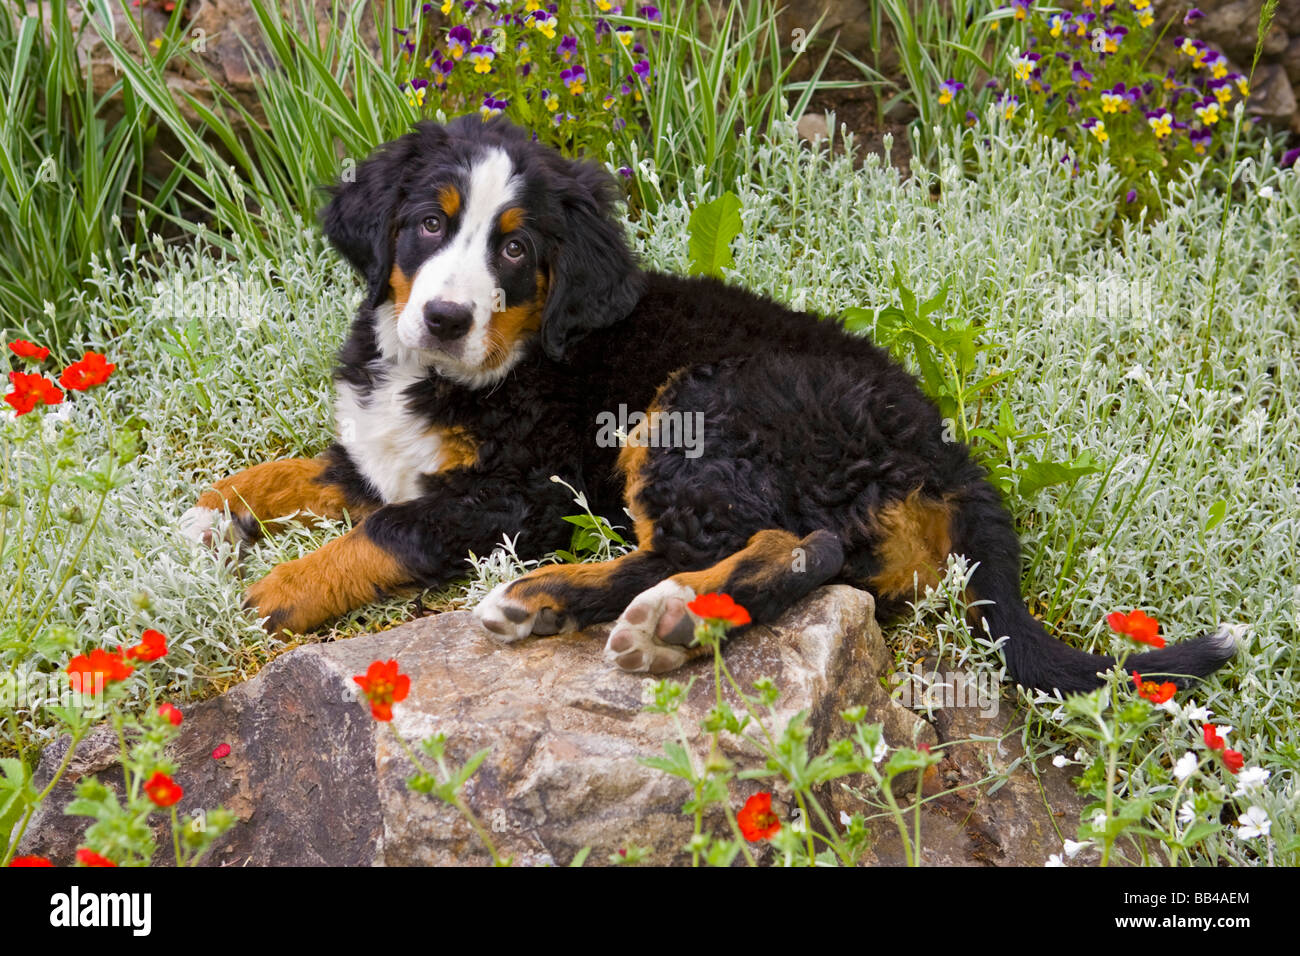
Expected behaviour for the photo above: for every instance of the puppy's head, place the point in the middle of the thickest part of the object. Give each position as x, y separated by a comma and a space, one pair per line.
475, 242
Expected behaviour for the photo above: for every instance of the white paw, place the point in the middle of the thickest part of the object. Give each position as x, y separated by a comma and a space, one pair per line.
203, 526
511, 619
654, 630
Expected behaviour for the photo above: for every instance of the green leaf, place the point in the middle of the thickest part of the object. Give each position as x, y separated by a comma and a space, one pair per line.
908, 297
935, 302
1199, 832
858, 320
580, 857
712, 227
1216, 514
1036, 475
471, 766
677, 762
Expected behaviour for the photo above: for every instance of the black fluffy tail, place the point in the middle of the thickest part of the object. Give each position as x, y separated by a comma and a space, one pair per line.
982, 531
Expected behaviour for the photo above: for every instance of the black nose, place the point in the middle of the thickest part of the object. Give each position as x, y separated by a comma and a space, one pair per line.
447, 320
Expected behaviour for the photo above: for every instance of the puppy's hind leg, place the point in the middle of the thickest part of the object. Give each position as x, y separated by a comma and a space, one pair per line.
567, 597
774, 570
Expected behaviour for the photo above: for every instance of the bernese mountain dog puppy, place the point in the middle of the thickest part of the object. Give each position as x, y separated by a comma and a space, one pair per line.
504, 319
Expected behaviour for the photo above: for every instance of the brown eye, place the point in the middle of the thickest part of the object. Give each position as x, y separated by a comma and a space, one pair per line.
431, 226
514, 250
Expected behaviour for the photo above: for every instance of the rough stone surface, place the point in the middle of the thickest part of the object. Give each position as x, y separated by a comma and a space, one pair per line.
1272, 98
1291, 61
314, 780
812, 127
1021, 823
217, 31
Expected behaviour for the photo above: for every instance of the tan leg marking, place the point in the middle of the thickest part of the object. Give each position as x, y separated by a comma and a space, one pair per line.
773, 548
275, 489
349, 572
540, 601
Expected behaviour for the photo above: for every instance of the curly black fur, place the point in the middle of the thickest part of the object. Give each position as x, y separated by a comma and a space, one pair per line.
807, 428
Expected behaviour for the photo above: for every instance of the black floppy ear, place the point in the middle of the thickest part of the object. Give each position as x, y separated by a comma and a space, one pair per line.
595, 281
359, 218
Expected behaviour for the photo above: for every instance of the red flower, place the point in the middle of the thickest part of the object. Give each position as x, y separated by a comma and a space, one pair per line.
1136, 624
90, 371
383, 687
31, 389
28, 350
1233, 760
163, 790
1156, 693
90, 858
1212, 738
172, 714
220, 750
719, 607
30, 861
89, 674
756, 819
153, 645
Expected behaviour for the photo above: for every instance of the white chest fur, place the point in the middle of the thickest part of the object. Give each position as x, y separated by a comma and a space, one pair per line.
393, 448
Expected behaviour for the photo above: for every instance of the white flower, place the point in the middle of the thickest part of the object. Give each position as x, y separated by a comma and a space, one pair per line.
1054, 860
878, 752
1059, 761
1099, 820
845, 819
1265, 192
1079, 755
1249, 780
1187, 812
1138, 374
1255, 823
1073, 848
1186, 766
53, 418
1198, 715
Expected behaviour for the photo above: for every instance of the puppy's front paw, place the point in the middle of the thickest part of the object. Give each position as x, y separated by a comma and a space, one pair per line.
510, 614
654, 631
208, 526
205, 526
289, 598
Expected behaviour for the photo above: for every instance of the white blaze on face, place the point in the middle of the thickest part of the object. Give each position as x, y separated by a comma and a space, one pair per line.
461, 271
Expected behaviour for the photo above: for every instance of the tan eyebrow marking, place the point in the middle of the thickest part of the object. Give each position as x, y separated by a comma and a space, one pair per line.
449, 199
511, 219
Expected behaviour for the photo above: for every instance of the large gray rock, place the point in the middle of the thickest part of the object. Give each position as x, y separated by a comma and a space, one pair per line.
315, 780
966, 820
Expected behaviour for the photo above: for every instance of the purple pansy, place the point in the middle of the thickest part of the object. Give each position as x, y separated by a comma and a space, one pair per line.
459, 40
